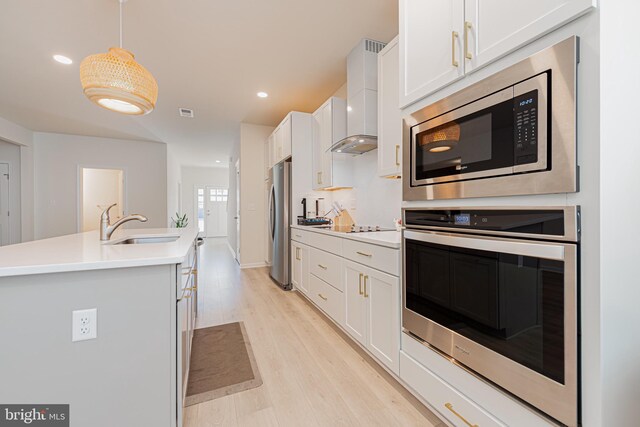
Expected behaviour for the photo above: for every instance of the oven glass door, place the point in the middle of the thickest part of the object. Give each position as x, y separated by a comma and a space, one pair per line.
495, 292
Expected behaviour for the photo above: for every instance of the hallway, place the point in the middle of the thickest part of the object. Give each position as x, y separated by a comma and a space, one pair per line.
313, 376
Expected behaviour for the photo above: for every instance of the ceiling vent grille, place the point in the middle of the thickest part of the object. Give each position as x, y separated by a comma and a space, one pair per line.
373, 46
186, 112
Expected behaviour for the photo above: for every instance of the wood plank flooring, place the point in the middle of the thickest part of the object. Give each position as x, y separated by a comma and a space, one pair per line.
313, 375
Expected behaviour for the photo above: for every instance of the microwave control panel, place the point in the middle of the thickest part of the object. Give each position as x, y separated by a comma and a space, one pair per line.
525, 110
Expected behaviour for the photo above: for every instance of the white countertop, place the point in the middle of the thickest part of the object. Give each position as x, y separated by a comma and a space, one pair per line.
85, 251
389, 239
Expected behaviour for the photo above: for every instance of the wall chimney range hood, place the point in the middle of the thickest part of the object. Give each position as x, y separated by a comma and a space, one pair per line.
362, 99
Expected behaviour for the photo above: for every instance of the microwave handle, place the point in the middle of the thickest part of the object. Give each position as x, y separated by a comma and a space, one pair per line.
525, 248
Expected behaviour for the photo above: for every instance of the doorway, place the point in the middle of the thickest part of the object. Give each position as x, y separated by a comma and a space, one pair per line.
237, 208
216, 211
99, 189
4, 204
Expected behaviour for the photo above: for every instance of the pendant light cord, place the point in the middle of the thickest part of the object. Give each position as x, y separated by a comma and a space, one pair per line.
121, 1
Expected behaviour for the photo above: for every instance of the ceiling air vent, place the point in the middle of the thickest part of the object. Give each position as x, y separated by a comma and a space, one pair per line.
186, 112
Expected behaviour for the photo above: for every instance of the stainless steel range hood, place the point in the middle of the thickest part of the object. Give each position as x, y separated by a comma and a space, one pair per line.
362, 99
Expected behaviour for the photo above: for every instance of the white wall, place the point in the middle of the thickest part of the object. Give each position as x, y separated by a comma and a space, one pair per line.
620, 203
57, 158
232, 232
193, 176
174, 183
252, 205
10, 153
101, 187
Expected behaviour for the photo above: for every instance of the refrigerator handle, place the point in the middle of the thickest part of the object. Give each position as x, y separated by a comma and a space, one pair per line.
272, 215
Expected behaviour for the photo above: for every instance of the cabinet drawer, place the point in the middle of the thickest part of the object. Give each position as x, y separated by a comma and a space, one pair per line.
300, 235
327, 267
328, 298
325, 242
378, 257
452, 405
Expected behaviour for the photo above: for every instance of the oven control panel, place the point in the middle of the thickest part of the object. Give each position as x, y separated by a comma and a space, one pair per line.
525, 129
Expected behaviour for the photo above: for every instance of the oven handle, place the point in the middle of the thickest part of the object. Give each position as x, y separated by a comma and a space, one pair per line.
524, 248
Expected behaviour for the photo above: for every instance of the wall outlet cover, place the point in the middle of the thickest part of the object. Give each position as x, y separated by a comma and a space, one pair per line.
84, 324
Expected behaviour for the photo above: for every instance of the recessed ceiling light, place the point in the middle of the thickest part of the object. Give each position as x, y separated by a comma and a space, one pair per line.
349, 108
262, 94
217, 161
63, 59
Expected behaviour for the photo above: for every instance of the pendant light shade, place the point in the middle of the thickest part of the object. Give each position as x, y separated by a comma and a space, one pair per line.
114, 80
441, 138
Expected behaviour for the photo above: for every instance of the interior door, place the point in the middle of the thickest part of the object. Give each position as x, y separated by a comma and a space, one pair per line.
216, 211
237, 217
4, 204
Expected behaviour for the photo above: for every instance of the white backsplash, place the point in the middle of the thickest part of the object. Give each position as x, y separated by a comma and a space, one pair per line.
372, 200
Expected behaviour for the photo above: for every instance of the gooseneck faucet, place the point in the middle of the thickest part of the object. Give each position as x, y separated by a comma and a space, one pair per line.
107, 229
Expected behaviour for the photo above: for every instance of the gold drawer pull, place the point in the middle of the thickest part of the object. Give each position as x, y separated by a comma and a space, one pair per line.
323, 297
193, 288
467, 28
454, 36
360, 284
298, 235
364, 254
449, 406
322, 266
366, 295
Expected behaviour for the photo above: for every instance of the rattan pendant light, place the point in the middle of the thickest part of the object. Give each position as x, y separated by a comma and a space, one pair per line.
115, 81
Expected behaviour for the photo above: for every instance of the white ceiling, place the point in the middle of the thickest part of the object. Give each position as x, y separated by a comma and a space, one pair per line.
209, 55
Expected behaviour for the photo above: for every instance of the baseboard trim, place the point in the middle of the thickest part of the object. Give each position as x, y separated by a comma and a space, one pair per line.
253, 265
233, 253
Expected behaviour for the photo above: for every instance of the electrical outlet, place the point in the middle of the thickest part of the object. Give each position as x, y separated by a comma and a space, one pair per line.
84, 325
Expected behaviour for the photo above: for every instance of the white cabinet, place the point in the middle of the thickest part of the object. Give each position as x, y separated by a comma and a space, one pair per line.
268, 157
441, 40
430, 46
496, 27
389, 113
281, 140
329, 126
372, 311
300, 267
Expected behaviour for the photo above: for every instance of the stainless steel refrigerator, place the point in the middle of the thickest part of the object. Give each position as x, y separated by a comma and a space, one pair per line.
279, 217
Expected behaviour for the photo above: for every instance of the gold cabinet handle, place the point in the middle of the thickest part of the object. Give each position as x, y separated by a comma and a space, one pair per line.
366, 295
322, 266
454, 36
319, 177
298, 254
364, 254
467, 28
298, 235
397, 155
193, 288
449, 406
360, 284
322, 296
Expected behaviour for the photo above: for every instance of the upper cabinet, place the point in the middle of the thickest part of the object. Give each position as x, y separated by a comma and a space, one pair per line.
441, 40
389, 114
268, 156
282, 139
430, 46
329, 126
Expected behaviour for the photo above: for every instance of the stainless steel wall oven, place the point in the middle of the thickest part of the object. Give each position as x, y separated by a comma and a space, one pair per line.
509, 134
497, 290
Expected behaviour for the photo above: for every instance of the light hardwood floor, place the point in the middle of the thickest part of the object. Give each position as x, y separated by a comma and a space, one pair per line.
313, 375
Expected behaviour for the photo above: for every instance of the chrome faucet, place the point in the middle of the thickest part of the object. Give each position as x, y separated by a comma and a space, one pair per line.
107, 229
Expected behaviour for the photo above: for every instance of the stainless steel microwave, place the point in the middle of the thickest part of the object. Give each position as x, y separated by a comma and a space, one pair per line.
512, 133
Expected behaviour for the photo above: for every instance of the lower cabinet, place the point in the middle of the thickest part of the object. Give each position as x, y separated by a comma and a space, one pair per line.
372, 311
329, 299
452, 405
300, 267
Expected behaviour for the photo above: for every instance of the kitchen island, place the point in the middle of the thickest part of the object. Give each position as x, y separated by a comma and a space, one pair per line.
133, 372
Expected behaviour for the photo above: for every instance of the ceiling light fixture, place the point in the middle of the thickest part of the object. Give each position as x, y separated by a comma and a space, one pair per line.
262, 94
115, 81
63, 59
217, 161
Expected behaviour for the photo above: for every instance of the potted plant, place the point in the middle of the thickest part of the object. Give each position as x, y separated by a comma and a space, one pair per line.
180, 221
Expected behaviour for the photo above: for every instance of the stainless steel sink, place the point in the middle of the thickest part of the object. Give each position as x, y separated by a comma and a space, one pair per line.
142, 240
